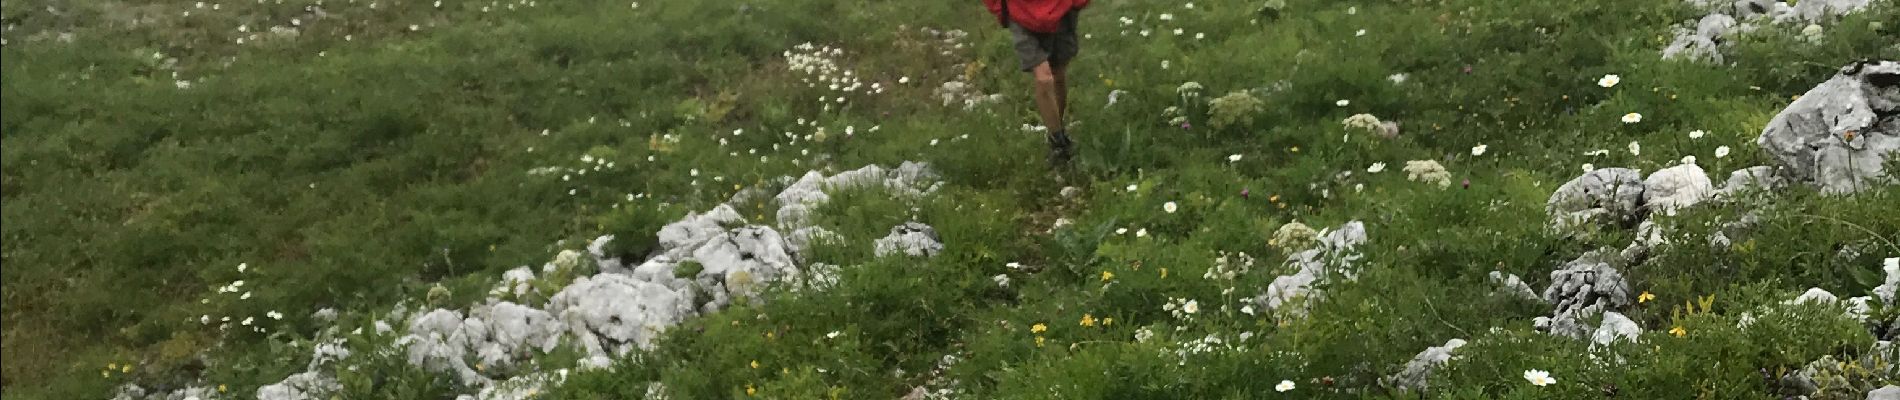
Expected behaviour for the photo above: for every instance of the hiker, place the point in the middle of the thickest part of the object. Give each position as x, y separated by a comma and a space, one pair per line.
1044, 36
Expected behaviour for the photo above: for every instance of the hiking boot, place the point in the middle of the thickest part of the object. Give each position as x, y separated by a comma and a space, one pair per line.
1060, 148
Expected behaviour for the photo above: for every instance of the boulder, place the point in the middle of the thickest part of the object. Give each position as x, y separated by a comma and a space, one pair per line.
1889, 392
1511, 285
1417, 373
1674, 188
1750, 179
609, 314
1615, 327
1606, 195
1839, 134
1333, 254
308, 385
912, 238
1582, 288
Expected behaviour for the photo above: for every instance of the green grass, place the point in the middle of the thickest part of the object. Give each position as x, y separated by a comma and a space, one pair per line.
361, 163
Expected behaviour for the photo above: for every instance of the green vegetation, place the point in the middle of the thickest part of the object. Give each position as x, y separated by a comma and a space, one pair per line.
359, 162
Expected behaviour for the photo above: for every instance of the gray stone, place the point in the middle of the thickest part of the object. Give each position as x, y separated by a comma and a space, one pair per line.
1675, 188
1615, 327
1333, 255
609, 314
1889, 392
1583, 288
1418, 372
1750, 179
1820, 11
1607, 195
912, 238
439, 341
308, 385
1839, 134
513, 333
687, 234
1513, 286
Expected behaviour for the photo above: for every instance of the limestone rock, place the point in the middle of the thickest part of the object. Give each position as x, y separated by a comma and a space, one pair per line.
1583, 288
1512, 285
308, 385
1615, 327
609, 314
1748, 179
912, 239
1606, 195
1334, 254
1889, 392
684, 236
1839, 134
1418, 372
1674, 188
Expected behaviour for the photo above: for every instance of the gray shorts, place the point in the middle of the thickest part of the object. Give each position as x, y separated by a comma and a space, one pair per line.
1036, 47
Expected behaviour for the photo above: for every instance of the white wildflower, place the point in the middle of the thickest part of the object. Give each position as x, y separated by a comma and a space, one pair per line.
1376, 168
1284, 385
1609, 80
1721, 152
1169, 207
1632, 118
1539, 378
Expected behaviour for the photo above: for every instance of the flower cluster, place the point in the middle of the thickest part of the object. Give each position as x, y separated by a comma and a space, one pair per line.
1232, 108
1182, 309
1293, 236
1427, 171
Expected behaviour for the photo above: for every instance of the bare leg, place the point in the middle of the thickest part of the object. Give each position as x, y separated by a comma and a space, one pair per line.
1048, 97
1062, 91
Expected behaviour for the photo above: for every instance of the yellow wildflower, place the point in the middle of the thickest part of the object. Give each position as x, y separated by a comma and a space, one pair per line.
1107, 276
107, 374
1038, 328
749, 390
221, 388
755, 364
1038, 341
1164, 273
1088, 320
112, 366
1106, 321
127, 369
1678, 331
480, 367
1646, 296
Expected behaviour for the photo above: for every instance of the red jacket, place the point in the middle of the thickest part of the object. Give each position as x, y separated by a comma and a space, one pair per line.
1035, 15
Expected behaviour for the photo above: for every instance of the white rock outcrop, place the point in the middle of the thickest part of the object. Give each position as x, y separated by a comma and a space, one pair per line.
1606, 195
912, 239
1840, 134
1674, 188
1418, 372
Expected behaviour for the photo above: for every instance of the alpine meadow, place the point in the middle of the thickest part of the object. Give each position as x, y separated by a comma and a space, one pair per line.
805, 199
